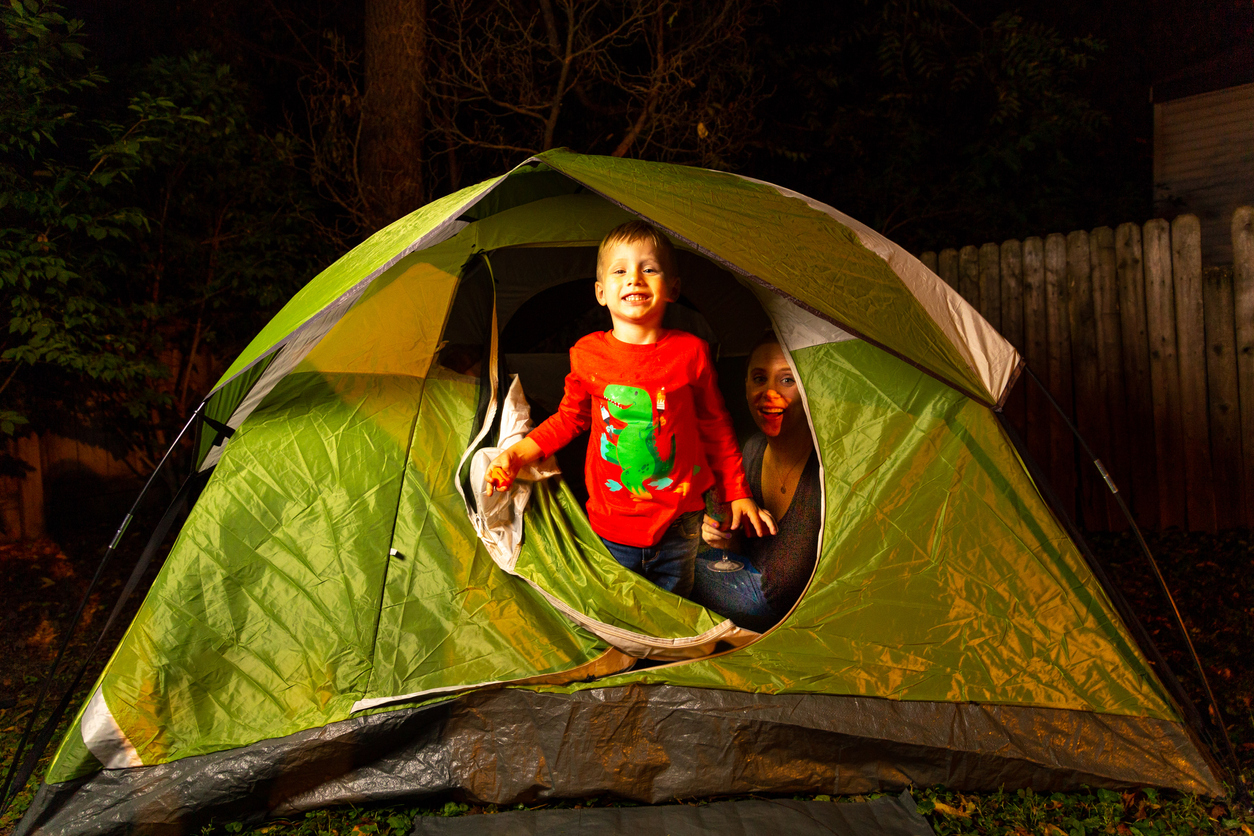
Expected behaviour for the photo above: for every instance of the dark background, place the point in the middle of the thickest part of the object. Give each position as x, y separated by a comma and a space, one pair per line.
821, 127
200, 160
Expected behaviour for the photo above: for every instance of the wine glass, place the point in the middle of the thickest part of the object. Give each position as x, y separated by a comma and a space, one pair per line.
726, 564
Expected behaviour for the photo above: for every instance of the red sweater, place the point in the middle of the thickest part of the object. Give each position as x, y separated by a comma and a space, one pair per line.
660, 438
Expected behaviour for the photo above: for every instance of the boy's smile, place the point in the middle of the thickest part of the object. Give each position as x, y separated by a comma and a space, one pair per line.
636, 290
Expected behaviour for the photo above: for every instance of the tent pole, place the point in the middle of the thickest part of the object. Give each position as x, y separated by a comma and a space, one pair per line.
9, 789
1242, 791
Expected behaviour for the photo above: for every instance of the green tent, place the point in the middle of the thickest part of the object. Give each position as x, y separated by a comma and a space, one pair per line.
343, 618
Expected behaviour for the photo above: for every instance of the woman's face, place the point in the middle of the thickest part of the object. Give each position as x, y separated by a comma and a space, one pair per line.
771, 391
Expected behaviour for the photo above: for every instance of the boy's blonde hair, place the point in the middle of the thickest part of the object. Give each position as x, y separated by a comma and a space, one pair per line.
630, 233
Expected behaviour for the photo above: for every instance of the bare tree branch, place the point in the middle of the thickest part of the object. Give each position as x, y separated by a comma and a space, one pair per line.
664, 79
550, 26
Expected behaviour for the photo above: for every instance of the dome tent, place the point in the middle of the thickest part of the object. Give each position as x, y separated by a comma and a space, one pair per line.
342, 619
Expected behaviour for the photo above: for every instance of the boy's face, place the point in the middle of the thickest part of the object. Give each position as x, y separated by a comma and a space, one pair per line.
634, 286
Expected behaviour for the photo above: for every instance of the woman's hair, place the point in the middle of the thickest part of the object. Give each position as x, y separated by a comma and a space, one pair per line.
768, 337
630, 233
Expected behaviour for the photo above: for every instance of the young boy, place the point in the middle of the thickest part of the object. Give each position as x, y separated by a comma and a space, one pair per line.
660, 433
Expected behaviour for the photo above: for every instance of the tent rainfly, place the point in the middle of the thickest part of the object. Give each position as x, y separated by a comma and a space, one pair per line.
343, 619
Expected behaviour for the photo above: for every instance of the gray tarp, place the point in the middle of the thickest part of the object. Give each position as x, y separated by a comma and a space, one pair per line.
645, 744
880, 817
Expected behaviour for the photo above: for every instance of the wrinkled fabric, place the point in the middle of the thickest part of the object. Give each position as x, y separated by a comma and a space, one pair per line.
645, 744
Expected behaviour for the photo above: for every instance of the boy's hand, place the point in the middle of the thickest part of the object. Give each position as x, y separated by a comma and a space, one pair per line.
756, 520
504, 468
713, 534
501, 474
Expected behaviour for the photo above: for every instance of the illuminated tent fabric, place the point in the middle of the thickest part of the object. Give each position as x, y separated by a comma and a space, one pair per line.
329, 627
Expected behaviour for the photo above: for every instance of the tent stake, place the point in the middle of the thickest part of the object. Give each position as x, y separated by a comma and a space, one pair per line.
1243, 792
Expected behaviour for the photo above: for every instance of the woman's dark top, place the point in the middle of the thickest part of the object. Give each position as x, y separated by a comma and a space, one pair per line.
786, 560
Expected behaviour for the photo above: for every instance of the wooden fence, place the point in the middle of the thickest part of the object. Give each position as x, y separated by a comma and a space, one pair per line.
1150, 353
71, 482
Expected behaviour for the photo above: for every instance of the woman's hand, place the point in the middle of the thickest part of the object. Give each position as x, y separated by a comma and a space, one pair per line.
756, 521
714, 535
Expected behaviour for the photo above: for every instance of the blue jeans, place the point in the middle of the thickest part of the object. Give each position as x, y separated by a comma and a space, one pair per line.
736, 595
671, 561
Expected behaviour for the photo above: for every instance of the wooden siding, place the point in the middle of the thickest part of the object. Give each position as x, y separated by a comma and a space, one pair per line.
1204, 161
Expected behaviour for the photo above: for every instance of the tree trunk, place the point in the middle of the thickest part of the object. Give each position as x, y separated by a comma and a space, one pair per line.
394, 110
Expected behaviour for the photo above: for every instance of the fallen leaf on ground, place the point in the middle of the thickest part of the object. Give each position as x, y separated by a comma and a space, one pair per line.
942, 807
45, 634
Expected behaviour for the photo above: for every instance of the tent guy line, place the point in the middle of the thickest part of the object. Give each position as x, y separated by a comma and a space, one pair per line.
1243, 791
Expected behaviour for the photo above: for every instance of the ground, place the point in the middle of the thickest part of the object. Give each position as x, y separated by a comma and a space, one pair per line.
44, 581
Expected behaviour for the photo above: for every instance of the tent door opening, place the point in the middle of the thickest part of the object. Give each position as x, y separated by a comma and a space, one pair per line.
545, 302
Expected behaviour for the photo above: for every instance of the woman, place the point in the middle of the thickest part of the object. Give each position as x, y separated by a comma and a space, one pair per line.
783, 475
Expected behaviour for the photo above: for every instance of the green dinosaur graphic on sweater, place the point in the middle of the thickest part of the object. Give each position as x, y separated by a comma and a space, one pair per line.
634, 447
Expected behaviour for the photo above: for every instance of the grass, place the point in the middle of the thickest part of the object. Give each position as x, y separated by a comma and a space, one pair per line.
1214, 588
1081, 813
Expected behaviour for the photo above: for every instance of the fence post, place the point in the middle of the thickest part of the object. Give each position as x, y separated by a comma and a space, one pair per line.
1036, 351
1221, 389
1061, 444
990, 284
948, 263
1164, 373
1243, 293
32, 487
10, 501
1129, 267
1010, 257
969, 275
1186, 268
1110, 364
1090, 406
